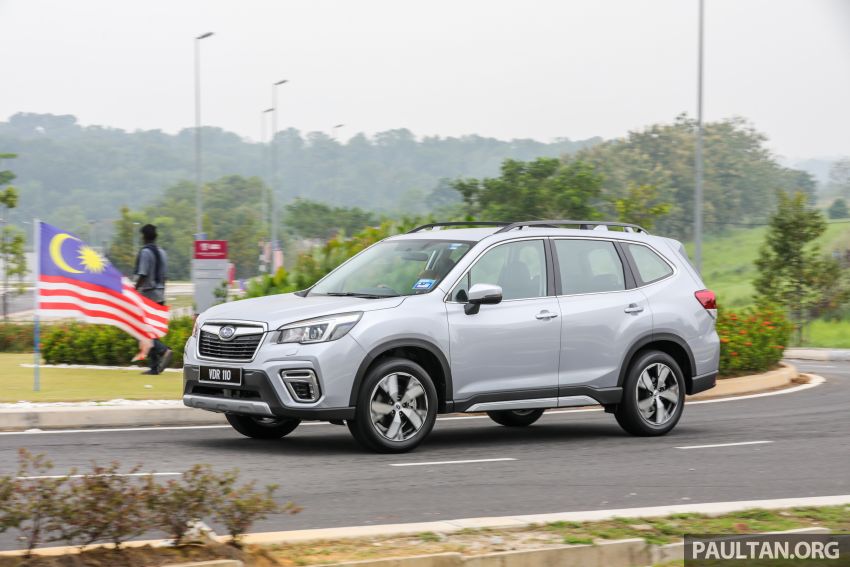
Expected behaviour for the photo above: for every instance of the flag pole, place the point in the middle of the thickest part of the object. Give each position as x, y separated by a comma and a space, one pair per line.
36, 384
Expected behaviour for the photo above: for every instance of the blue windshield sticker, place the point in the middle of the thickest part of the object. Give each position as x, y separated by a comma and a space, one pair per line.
453, 246
423, 284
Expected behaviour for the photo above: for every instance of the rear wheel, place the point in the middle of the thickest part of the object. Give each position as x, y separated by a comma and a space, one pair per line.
515, 418
653, 395
262, 427
396, 407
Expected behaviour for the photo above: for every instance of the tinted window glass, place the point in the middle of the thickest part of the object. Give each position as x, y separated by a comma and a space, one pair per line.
649, 265
589, 266
518, 267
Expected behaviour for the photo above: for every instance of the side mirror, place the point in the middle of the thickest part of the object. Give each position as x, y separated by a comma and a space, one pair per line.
482, 294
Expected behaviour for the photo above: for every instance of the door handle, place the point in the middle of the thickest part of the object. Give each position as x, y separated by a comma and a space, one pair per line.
546, 315
633, 308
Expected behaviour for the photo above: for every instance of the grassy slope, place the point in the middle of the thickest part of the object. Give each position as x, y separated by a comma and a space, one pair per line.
729, 269
67, 385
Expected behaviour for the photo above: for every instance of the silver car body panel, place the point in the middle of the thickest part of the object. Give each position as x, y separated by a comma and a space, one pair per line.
503, 349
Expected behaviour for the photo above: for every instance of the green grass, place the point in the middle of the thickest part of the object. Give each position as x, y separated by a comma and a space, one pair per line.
831, 334
728, 264
71, 385
472, 542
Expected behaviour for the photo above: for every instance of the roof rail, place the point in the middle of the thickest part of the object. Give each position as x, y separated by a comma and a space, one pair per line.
458, 223
581, 224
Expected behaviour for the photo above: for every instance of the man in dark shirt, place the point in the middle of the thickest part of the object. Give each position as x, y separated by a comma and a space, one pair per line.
151, 266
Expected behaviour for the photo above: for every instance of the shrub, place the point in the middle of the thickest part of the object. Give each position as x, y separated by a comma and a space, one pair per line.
16, 337
82, 343
105, 505
177, 504
238, 507
36, 502
751, 340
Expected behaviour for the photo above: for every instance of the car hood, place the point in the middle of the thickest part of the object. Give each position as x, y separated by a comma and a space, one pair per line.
277, 310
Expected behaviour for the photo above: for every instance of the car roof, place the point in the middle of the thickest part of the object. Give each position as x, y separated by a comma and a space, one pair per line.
479, 234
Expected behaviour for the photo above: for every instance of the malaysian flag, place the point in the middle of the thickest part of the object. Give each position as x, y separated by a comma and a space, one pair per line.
75, 281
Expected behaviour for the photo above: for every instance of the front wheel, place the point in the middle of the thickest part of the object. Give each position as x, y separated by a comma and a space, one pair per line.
262, 427
396, 407
515, 418
653, 395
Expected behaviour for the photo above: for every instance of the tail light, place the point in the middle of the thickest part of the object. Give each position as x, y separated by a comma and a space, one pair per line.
708, 300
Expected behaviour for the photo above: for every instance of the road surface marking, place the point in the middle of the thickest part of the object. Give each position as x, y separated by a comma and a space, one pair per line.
55, 476
815, 381
724, 445
451, 462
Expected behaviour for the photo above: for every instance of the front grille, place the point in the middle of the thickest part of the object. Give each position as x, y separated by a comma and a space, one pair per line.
241, 347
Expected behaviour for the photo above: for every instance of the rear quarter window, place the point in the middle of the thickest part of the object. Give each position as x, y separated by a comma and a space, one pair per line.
649, 265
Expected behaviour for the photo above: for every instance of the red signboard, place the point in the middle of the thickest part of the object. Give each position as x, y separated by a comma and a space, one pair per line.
210, 249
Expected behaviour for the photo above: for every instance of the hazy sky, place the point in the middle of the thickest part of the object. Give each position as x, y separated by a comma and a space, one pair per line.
508, 69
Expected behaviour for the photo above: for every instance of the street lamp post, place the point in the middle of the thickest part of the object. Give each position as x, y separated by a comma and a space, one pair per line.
273, 141
198, 204
334, 130
698, 165
264, 196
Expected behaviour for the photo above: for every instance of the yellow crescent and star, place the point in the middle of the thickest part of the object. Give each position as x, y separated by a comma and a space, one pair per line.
88, 256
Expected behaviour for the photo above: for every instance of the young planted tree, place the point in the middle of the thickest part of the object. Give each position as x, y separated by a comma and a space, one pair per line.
838, 209
240, 506
11, 238
792, 271
38, 496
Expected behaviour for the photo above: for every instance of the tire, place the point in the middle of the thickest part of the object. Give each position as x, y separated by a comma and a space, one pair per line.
402, 425
653, 398
515, 418
262, 427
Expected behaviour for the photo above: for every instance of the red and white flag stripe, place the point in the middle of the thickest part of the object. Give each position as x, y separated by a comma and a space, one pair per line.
129, 310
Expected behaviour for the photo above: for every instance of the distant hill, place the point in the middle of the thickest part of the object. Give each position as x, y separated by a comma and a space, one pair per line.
72, 174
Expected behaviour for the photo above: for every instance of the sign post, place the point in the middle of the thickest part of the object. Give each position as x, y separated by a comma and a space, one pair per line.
209, 271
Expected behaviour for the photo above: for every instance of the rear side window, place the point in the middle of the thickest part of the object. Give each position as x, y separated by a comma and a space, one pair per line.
650, 266
589, 266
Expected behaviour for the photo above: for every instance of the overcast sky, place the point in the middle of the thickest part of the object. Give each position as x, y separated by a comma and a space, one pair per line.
508, 69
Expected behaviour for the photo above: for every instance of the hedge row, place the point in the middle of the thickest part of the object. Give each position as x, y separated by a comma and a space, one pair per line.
107, 505
82, 343
752, 339
16, 337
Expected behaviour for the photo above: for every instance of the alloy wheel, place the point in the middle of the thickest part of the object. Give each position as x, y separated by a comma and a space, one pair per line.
398, 406
657, 394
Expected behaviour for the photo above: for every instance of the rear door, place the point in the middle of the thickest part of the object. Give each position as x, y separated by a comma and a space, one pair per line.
602, 313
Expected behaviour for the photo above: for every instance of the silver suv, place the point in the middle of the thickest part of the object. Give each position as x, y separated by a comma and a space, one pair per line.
507, 319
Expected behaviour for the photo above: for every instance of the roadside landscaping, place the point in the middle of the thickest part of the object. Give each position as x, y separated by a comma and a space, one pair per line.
469, 542
81, 384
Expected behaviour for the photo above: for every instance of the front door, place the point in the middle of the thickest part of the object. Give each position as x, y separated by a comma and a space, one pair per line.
508, 350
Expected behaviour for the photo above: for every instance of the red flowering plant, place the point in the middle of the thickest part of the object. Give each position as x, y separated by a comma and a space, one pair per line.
752, 339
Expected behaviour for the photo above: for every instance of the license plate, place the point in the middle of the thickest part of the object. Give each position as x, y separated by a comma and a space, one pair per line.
219, 375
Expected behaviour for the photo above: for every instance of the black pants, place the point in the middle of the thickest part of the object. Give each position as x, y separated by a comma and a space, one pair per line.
156, 351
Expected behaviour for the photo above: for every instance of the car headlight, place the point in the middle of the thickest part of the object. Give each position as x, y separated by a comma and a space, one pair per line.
319, 330
195, 328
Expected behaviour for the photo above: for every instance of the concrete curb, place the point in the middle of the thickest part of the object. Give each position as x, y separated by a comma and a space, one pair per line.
103, 416
822, 354
749, 384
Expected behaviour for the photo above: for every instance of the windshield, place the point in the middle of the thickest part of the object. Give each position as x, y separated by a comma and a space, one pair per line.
393, 268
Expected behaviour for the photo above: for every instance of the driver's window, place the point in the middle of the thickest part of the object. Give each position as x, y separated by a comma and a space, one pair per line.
518, 267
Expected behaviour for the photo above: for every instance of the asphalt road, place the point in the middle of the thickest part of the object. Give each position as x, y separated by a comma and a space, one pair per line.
568, 461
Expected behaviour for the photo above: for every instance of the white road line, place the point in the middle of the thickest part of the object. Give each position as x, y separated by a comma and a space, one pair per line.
451, 462
815, 381
724, 445
55, 476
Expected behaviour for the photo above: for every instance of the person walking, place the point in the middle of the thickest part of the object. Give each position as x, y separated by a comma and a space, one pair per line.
150, 272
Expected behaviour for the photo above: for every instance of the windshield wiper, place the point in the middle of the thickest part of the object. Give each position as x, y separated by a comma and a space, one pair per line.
355, 294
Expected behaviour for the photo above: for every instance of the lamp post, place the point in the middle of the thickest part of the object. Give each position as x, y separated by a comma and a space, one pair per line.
264, 197
273, 142
198, 204
698, 165
334, 129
